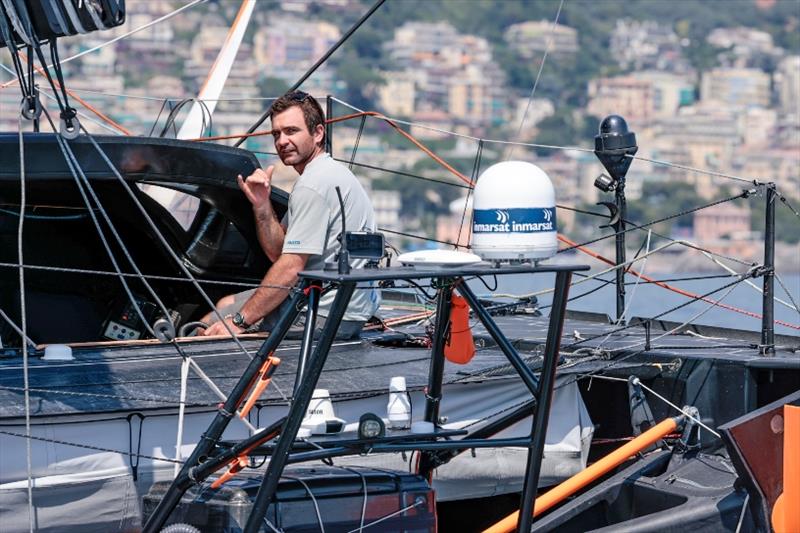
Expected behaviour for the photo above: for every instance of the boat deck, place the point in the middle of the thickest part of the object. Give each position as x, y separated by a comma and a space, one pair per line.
146, 375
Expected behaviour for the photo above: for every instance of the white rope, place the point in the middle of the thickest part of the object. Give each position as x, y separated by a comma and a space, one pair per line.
538, 75
693, 169
753, 285
788, 293
17, 329
679, 326
313, 500
637, 381
181, 412
23, 312
595, 275
417, 503
744, 511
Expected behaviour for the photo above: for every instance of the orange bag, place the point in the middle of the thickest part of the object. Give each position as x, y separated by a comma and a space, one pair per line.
459, 347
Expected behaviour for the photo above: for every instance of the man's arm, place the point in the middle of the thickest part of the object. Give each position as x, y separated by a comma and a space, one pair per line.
258, 187
265, 299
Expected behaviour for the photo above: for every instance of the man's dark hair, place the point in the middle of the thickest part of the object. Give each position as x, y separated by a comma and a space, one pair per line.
312, 111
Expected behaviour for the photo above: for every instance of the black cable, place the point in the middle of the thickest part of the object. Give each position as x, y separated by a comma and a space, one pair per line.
315, 66
358, 140
420, 289
480, 278
158, 117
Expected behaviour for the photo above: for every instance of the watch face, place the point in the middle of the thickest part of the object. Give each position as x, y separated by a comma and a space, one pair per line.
238, 320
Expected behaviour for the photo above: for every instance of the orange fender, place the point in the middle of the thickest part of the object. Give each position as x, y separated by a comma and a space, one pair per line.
459, 347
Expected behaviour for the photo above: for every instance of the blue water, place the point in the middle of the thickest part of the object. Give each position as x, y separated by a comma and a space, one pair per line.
647, 300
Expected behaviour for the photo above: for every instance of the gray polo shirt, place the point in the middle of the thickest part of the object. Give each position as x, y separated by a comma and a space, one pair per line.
314, 223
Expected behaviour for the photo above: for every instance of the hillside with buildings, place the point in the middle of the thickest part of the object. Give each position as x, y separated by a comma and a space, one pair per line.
713, 85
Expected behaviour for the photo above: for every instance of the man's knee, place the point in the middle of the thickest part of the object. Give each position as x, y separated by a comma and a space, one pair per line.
226, 301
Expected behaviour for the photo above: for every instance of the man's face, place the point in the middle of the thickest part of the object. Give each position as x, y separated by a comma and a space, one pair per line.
294, 143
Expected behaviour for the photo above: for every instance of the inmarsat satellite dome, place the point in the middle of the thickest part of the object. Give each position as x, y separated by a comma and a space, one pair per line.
514, 213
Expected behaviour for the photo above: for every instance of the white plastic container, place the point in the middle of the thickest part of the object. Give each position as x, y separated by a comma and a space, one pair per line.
398, 410
320, 418
514, 213
58, 352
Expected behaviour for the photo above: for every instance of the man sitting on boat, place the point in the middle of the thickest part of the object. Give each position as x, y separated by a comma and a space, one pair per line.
307, 237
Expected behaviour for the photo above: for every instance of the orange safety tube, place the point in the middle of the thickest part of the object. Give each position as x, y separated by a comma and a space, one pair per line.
786, 512
589, 474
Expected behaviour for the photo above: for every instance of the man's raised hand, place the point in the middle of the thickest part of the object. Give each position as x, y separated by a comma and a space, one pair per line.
257, 187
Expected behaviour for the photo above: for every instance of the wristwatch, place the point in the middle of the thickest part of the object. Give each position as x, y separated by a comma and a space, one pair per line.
238, 321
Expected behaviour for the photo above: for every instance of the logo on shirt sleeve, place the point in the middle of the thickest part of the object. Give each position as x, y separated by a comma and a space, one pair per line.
293, 242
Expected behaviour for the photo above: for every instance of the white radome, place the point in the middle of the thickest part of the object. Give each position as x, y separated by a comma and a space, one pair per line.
514, 213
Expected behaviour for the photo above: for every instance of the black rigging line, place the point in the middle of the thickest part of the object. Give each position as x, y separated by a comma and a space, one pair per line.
416, 236
158, 117
576, 210
785, 202
315, 66
358, 141
476, 169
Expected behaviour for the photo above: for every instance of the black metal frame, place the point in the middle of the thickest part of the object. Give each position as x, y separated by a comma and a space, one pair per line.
768, 302
198, 466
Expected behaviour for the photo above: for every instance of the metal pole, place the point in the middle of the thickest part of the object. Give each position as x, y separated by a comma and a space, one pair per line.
619, 228
433, 396
329, 125
545, 396
527, 375
297, 410
768, 304
314, 289
223, 417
